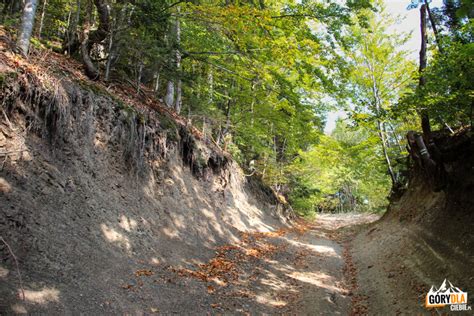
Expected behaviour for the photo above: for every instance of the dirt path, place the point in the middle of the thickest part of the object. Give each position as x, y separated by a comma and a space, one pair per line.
291, 271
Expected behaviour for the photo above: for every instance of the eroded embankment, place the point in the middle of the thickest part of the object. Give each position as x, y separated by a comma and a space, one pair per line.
93, 190
424, 237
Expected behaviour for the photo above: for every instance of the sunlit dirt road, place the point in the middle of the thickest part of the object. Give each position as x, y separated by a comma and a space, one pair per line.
301, 270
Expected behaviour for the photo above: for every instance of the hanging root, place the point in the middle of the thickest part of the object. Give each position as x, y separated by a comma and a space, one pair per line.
65, 111
41, 99
199, 156
132, 135
17, 267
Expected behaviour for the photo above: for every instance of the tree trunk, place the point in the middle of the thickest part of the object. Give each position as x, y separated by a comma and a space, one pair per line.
40, 30
110, 57
395, 136
178, 103
27, 23
119, 20
95, 37
385, 152
71, 41
380, 126
425, 120
169, 97
139, 77
156, 76
433, 26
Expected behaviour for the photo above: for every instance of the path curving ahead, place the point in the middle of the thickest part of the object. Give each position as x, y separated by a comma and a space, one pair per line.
299, 270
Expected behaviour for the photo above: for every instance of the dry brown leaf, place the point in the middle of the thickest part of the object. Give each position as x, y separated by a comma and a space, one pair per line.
144, 272
210, 289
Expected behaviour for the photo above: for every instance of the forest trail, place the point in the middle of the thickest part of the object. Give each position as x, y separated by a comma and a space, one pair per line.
300, 270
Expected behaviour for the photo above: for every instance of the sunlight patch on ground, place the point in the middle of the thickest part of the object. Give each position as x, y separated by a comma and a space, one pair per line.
46, 295
115, 237
318, 279
154, 261
325, 250
171, 232
179, 221
5, 187
262, 299
274, 283
336, 221
127, 223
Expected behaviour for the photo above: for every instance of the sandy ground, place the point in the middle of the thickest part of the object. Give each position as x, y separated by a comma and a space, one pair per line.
299, 270
295, 271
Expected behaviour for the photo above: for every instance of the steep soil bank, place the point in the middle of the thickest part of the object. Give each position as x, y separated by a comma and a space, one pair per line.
93, 191
424, 237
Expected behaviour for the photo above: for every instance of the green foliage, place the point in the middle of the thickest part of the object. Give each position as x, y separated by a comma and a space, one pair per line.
448, 94
344, 172
258, 77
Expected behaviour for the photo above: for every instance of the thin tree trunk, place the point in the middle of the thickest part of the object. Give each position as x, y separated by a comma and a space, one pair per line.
227, 116
380, 127
423, 44
139, 77
40, 30
27, 23
204, 128
157, 81
119, 20
67, 33
385, 152
433, 26
71, 41
169, 97
108, 65
395, 135
252, 104
425, 120
178, 103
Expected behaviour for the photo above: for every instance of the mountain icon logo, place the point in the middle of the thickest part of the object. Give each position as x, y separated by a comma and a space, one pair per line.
447, 294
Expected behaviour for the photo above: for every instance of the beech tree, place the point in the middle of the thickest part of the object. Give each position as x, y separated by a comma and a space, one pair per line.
379, 76
255, 76
27, 23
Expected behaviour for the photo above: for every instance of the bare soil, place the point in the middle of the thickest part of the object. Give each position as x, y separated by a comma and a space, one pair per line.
424, 238
295, 271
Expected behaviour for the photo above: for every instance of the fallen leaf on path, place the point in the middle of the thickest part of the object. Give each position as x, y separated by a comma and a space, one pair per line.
210, 289
144, 272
